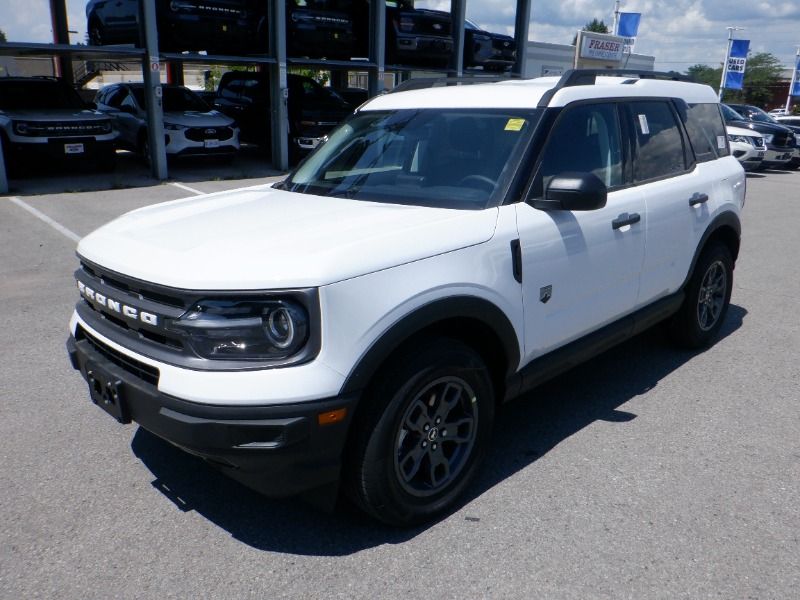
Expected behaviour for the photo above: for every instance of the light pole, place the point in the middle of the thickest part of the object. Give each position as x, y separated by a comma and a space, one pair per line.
794, 80
616, 17
727, 57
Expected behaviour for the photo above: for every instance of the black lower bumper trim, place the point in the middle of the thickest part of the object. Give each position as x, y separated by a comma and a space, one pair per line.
279, 450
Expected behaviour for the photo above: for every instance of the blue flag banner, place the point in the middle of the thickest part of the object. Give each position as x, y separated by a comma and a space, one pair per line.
628, 24
737, 61
795, 91
628, 27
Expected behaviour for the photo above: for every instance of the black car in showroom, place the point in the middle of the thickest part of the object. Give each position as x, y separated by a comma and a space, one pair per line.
313, 109
492, 51
314, 28
43, 122
780, 140
219, 26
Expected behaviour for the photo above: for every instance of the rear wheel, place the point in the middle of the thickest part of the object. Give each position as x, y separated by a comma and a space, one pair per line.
422, 432
708, 295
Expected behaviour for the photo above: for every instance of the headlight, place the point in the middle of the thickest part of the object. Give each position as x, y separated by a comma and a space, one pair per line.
739, 138
173, 127
21, 127
768, 138
244, 329
176, 5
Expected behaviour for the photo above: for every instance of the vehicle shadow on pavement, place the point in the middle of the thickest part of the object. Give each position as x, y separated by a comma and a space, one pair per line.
531, 427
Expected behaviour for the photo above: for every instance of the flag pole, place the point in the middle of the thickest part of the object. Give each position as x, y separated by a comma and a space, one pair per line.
615, 28
794, 80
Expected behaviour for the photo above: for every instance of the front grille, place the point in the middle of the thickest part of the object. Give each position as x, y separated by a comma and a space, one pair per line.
200, 134
57, 129
135, 367
784, 140
146, 292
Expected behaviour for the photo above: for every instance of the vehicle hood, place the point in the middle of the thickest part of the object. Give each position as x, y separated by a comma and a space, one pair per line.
212, 118
263, 238
55, 114
741, 131
758, 126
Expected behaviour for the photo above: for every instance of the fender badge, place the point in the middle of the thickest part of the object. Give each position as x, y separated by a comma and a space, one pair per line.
545, 293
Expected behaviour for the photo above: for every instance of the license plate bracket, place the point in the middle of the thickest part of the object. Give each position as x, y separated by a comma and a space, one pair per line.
106, 391
211, 143
73, 149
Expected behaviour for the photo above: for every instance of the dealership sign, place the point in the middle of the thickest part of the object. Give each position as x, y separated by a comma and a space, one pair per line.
602, 47
737, 63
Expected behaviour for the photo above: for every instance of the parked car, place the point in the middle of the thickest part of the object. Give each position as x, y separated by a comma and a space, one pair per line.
780, 140
355, 327
313, 109
492, 51
793, 123
775, 112
747, 146
315, 29
43, 119
221, 26
191, 126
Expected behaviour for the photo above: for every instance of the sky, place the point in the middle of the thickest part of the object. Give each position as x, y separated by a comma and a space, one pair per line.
679, 33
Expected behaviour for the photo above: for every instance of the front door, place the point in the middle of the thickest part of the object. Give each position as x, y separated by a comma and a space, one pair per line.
581, 269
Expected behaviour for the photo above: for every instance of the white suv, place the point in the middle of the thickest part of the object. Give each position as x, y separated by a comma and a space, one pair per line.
445, 250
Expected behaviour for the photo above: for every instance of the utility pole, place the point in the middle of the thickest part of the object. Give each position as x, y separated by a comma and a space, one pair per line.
727, 57
615, 27
794, 80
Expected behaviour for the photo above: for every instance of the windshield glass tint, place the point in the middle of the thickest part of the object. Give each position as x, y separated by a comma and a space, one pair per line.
730, 114
427, 157
175, 99
37, 95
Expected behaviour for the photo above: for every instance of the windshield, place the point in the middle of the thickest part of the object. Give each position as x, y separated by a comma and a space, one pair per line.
175, 99
762, 117
729, 114
38, 95
455, 158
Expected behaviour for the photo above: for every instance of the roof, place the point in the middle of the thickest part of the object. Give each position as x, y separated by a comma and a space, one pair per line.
527, 93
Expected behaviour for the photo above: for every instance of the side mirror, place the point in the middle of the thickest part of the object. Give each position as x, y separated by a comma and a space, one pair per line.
573, 191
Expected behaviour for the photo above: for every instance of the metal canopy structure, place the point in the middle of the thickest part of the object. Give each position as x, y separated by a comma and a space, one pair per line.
275, 62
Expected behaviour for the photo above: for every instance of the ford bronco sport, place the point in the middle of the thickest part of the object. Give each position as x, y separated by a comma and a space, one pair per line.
356, 326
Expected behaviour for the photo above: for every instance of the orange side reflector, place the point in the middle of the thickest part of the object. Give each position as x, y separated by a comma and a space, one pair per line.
333, 416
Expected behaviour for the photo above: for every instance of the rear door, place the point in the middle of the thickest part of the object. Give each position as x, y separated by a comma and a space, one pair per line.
679, 193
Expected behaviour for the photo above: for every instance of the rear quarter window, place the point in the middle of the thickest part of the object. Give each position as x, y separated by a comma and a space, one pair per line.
660, 151
706, 130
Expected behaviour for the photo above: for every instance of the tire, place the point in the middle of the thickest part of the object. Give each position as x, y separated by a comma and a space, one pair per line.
708, 295
402, 466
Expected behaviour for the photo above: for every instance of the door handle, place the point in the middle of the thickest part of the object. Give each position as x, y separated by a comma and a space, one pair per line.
698, 198
625, 219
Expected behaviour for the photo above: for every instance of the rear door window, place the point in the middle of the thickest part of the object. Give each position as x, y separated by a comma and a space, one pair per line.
660, 150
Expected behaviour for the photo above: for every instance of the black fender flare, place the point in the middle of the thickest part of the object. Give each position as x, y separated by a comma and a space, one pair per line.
428, 315
727, 219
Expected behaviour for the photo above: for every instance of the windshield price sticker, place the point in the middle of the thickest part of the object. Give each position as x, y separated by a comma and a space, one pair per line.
515, 124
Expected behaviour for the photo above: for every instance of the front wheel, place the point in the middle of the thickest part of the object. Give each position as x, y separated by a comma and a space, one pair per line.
423, 430
708, 295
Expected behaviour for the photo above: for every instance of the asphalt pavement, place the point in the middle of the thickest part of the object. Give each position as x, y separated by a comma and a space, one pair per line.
646, 473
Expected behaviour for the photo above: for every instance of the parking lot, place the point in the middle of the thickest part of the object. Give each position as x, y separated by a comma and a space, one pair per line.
646, 473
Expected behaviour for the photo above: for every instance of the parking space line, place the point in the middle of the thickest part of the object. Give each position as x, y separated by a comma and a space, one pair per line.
187, 188
43, 217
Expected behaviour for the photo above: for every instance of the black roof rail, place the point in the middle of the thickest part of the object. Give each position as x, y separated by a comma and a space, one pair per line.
574, 77
422, 83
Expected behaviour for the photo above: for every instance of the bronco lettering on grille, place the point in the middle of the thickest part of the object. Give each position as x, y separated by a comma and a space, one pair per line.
112, 305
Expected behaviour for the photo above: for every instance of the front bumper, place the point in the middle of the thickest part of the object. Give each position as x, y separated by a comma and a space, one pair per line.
278, 450
748, 155
415, 48
777, 157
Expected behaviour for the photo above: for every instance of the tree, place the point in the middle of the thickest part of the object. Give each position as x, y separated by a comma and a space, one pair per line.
3, 39
705, 74
595, 26
762, 75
